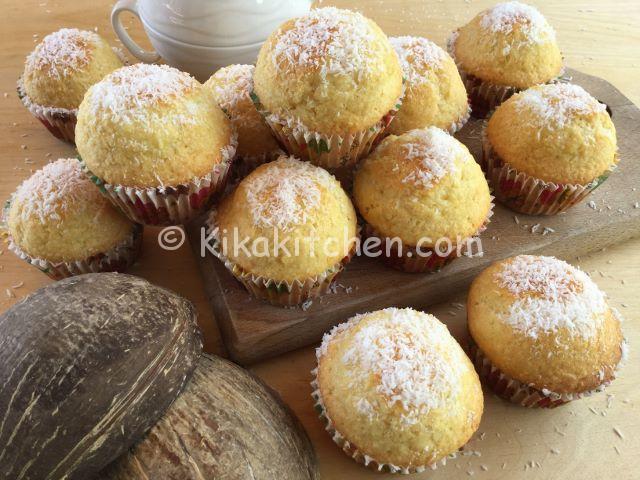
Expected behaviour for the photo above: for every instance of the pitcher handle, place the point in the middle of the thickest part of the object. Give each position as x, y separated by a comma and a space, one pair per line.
123, 35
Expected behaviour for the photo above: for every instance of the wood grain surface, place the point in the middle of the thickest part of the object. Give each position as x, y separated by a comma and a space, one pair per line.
598, 37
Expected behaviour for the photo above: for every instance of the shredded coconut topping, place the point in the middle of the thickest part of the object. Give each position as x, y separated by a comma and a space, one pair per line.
235, 84
49, 191
418, 56
128, 92
432, 152
282, 194
551, 295
63, 52
407, 353
556, 104
333, 40
504, 16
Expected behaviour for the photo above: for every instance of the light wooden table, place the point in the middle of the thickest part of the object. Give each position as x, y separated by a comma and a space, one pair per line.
600, 37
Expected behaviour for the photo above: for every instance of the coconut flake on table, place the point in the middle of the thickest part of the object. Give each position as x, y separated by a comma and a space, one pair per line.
551, 295
432, 153
405, 352
504, 16
63, 52
333, 40
49, 191
418, 56
128, 93
284, 193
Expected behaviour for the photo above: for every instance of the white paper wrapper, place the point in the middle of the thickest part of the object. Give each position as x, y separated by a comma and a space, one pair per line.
169, 205
457, 126
281, 293
329, 152
526, 194
118, 259
353, 452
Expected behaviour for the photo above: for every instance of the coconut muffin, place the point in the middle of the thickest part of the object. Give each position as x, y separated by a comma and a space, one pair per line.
58, 221
328, 84
232, 87
59, 71
547, 148
505, 49
544, 333
435, 94
155, 141
423, 195
396, 391
298, 227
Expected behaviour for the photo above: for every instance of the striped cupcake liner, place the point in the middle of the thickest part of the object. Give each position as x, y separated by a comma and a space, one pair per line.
517, 392
425, 260
356, 454
327, 151
118, 259
276, 292
172, 205
529, 195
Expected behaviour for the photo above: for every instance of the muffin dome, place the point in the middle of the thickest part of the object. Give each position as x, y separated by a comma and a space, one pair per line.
546, 324
509, 44
151, 126
557, 133
398, 389
333, 70
422, 186
232, 87
435, 94
64, 65
60, 216
300, 205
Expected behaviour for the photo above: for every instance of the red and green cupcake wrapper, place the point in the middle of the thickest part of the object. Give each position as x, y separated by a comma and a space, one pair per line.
517, 392
276, 292
529, 195
327, 151
353, 451
169, 205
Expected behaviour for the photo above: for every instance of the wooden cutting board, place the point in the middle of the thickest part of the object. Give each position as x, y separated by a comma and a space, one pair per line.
253, 330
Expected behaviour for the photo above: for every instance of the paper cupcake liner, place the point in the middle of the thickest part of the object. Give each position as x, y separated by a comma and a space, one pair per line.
326, 151
276, 292
457, 126
517, 392
529, 195
169, 205
353, 451
244, 165
413, 261
118, 259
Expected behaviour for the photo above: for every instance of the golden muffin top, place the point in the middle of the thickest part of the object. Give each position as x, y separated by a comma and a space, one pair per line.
396, 383
422, 186
292, 203
57, 214
509, 44
62, 67
545, 323
332, 70
558, 133
435, 94
232, 87
152, 126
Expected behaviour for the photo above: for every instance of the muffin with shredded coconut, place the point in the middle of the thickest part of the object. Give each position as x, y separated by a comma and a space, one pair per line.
58, 221
328, 84
232, 87
424, 198
502, 50
435, 94
543, 333
547, 148
286, 231
155, 142
57, 74
396, 391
